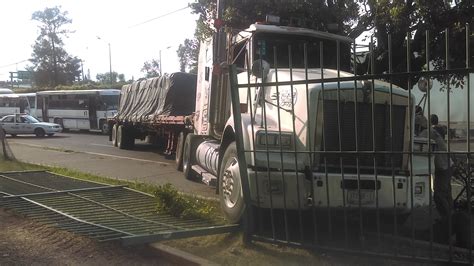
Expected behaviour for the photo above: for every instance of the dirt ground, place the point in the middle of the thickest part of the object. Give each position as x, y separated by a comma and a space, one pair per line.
25, 242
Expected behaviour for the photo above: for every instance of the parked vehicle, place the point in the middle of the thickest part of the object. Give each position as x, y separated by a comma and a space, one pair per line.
16, 103
300, 132
26, 124
78, 109
154, 109
5, 91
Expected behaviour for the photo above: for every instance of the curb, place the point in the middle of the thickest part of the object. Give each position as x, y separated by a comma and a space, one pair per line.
178, 256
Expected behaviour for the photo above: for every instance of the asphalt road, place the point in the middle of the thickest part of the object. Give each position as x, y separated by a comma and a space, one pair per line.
93, 153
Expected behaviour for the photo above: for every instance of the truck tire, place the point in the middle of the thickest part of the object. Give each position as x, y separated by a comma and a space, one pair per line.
189, 154
113, 135
129, 138
121, 142
230, 186
179, 151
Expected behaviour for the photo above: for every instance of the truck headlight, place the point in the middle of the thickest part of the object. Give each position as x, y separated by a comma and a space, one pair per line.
272, 140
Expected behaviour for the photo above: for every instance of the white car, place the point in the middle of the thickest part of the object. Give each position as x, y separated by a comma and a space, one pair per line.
27, 124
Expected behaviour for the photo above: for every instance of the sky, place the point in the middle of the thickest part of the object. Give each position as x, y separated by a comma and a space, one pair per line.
135, 36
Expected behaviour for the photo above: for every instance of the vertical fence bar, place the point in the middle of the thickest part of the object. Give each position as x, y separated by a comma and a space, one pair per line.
410, 116
292, 90
357, 152
253, 122
277, 87
234, 91
374, 145
469, 195
428, 92
448, 88
310, 144
394, 187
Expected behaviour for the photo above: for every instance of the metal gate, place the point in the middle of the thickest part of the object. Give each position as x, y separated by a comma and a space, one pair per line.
356, 162
99, 211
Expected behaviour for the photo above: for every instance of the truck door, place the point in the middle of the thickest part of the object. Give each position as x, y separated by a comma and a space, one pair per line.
203, 90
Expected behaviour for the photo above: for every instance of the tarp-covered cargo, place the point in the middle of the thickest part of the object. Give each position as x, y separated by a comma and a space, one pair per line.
173, 95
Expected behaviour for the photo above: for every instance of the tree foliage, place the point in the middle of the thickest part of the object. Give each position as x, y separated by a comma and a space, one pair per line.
188, 53
104, 78
151, 68
396, 18
379, 18
52, 65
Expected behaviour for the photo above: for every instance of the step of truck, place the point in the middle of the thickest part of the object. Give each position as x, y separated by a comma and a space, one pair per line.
206, 177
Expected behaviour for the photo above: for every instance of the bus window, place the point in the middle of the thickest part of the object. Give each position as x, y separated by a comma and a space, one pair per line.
109, 101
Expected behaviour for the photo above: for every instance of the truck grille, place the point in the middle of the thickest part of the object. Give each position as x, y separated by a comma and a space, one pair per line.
385, 161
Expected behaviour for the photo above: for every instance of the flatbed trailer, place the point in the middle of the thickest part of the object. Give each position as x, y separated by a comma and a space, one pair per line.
156, 110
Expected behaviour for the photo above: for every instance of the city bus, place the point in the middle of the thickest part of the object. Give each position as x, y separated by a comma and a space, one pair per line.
78, 109
17, 103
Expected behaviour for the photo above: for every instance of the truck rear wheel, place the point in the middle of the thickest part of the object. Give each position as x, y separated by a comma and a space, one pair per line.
121, 142
114, 135
179, 151
230, 186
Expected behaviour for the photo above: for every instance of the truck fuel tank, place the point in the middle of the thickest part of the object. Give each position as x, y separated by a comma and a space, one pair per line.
207, 156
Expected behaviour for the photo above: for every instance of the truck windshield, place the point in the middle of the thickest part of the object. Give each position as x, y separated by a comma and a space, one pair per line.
276, 50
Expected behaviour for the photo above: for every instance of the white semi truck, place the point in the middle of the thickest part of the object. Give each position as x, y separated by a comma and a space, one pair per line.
301, 134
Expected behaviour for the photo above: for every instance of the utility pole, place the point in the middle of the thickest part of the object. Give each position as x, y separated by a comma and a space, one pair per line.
110, 59
110, 64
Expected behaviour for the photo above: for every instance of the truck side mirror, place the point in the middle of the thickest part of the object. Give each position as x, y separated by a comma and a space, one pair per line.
260, 68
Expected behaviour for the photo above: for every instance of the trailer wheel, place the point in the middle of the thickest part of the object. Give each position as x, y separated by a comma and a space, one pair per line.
121, 143
179, 151
230, 186
129, 138
188, 156
114, 135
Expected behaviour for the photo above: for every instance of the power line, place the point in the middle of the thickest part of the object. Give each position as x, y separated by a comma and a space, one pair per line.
161, 16
9, 65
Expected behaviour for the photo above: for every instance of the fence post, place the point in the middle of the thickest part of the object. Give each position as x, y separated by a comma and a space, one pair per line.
234, 92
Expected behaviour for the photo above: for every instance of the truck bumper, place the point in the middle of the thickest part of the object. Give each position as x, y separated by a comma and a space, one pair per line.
294, 190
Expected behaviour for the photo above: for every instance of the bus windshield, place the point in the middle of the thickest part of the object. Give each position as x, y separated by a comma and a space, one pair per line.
110, 101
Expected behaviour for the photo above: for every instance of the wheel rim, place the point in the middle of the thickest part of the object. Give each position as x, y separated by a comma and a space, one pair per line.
231, 187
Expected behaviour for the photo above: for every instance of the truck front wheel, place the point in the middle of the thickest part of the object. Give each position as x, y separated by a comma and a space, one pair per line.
230, 186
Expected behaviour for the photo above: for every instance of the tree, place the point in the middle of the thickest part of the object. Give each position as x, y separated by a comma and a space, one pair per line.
355, 17
52, 65
105, 77
399, 17
338, 16
188, 53
151, 68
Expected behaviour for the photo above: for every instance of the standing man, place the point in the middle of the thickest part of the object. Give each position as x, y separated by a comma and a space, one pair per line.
442, 182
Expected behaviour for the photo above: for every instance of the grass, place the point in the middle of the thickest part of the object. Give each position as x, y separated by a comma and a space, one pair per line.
8, 165
168, 199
